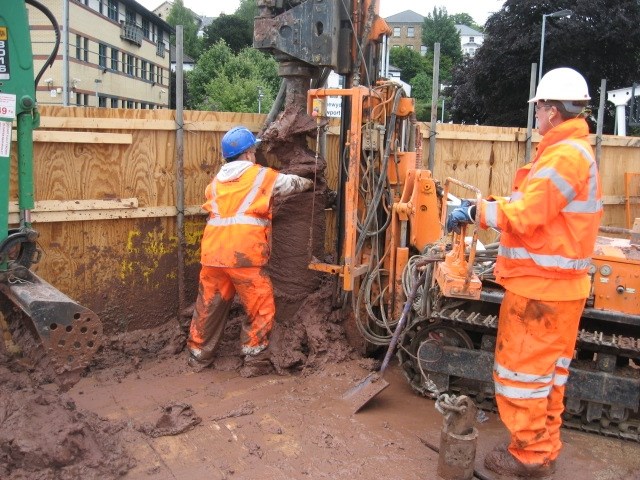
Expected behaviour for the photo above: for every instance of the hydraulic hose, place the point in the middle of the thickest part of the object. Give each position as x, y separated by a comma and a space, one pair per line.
56, 28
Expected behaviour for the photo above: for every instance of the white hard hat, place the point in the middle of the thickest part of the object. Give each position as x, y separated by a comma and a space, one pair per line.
562, 84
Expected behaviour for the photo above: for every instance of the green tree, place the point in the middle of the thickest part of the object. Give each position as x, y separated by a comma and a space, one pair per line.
235, 31
408, 61
181, 15
208, 66
247, 10
224, 81
439, 27
466, 19
600, 40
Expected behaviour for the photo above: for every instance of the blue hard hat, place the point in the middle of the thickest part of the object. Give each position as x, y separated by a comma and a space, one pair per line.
238, 140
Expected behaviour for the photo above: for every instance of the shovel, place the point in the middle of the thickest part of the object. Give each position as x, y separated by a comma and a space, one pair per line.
370, 386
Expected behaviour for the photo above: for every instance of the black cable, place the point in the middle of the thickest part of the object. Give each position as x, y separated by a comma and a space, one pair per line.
56, 28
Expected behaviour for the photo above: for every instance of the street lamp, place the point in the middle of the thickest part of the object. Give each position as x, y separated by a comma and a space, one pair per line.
558, 14
260, 97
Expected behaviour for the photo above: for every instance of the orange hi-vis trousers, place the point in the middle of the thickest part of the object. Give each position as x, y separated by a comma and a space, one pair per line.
217, 288
535, 345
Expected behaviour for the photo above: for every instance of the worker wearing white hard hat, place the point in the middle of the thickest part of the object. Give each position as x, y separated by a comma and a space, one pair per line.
548, 230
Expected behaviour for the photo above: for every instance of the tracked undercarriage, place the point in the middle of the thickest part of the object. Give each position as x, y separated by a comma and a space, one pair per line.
449, 345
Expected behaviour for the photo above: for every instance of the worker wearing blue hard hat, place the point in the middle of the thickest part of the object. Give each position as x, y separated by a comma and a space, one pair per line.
235, 250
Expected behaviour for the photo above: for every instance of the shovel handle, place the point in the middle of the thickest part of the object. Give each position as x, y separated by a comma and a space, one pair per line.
402, 321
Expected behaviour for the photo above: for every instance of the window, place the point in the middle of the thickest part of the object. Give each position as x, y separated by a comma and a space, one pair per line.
102, 55
124, 62
82, 48
145, 28
152, 73
160, 47
114, 58
82, 99
129, 104
423, 49
129, 68
411, 32
112, 8
114, 103
102, 102
410, 47
471, 39
143, 69
396, 31
130, 16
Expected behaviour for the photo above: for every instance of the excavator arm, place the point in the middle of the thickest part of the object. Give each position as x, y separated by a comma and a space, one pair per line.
69, 333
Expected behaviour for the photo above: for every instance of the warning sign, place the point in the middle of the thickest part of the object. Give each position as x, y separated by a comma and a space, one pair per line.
5, 139
7, 105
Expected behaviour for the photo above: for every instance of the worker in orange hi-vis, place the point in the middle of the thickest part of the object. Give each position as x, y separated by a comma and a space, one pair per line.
548, 230
235, 250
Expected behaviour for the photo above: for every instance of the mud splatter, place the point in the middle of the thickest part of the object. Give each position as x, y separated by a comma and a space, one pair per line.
175, 418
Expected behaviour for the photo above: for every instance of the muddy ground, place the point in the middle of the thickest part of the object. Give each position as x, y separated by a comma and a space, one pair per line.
141, 413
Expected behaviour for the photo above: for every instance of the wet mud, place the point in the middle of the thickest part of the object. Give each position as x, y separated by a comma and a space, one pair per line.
44, 436
174, 419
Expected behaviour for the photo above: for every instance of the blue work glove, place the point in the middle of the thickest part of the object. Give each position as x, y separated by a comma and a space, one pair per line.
464, 214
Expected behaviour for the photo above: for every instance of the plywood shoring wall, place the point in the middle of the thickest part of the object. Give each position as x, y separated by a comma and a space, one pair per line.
105, 182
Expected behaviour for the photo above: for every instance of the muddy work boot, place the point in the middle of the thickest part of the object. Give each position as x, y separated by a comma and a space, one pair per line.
502, 462
257, 364
195, 362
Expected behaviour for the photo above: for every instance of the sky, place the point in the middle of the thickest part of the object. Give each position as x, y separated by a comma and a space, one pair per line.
478, 9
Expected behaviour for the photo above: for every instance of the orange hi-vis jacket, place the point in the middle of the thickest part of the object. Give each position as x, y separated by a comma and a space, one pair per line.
238, 231
550, 224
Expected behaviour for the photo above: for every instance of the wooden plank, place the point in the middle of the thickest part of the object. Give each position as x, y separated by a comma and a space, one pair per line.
473, 136
607, 140
78, 205
106, 214
50, 136
140, 124
620, 199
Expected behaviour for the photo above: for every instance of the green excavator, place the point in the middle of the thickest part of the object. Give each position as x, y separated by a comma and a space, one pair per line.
68, 333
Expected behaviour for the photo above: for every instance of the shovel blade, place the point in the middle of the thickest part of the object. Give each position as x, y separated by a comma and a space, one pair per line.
366, 389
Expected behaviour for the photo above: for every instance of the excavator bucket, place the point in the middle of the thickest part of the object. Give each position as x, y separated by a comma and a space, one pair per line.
69, 333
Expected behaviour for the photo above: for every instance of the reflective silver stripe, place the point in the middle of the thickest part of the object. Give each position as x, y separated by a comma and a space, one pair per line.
522, 393
237, 220
240, 218
491, 213
565, 188
560, 380
507, 374
592, 204
563, 362
253, 193
548, 261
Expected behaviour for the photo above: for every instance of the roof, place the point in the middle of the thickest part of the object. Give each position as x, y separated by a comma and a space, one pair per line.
186, 59
468, 31
408, 16
148, 14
